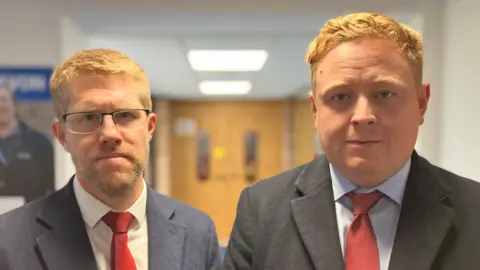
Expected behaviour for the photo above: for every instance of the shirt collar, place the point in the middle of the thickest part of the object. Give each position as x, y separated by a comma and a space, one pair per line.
394, 187
93, 209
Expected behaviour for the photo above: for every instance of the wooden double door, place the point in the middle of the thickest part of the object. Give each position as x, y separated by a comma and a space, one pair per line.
225, 124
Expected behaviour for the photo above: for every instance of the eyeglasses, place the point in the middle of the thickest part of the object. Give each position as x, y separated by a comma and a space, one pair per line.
88, 122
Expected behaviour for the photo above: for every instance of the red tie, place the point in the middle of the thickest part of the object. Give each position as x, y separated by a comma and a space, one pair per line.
120, 256
361, 251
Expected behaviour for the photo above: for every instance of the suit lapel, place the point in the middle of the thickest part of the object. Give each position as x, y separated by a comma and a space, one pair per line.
314, 214
166, 238
65, 245
425, 218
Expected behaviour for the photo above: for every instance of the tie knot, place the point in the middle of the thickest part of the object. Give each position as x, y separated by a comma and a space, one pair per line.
363, 202
118, 221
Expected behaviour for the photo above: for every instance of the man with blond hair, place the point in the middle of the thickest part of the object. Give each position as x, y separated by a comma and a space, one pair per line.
370, 202
106, 217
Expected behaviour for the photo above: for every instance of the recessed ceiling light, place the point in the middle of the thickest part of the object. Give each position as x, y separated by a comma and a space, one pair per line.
225, 87
227, 60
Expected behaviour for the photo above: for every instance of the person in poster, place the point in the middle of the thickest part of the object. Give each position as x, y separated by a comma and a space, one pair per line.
26, 155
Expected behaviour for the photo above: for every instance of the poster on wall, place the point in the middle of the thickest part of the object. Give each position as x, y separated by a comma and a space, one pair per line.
26, 151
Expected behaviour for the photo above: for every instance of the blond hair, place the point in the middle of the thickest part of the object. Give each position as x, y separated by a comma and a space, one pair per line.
95, 62
366, 25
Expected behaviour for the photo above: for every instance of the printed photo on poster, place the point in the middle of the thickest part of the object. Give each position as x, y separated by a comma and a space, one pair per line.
26, 151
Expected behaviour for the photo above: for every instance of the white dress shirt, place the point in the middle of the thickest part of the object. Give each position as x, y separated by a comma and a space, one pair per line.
384, 215
100, 234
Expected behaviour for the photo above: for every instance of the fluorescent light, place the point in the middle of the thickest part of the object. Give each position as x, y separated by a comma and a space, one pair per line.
229, 60
225, 87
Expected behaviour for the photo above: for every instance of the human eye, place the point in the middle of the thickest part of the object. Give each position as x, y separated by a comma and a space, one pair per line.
125, 114
385, 94
340, 97
338, 94
128, 116
83, 117
89, 116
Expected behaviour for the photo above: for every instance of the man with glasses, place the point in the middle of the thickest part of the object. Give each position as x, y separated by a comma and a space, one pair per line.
106, 217
88, 122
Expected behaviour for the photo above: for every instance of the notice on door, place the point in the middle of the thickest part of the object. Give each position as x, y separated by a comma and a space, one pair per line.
186, 127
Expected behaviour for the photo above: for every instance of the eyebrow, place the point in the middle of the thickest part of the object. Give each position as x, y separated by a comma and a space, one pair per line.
331, 86
388, 80
94, 105
378, 81
94, 108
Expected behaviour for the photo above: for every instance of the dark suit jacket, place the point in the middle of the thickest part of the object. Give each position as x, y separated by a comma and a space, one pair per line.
50, 234
289, 222
30, 171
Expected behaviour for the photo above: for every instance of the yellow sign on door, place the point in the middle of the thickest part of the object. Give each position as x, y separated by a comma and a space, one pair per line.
219, 152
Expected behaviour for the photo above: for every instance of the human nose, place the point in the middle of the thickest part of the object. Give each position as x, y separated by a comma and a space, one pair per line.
363, 113
109, 131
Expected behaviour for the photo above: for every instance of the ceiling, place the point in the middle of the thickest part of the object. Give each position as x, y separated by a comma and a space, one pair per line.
159, 43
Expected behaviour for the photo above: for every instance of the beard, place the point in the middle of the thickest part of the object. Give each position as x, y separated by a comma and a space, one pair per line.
114, 182
119, 183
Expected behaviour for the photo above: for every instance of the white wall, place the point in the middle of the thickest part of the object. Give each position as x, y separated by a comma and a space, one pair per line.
450, 136
30, 32
429, 22
460, 114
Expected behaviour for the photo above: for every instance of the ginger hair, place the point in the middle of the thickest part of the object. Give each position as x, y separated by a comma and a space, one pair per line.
366, 25
95, 62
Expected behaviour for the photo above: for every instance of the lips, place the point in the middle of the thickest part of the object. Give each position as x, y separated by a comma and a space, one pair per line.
362, 142
113, 155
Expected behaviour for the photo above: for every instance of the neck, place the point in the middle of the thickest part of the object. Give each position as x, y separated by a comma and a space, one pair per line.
366, 180
366, 183
7, 129
121, 202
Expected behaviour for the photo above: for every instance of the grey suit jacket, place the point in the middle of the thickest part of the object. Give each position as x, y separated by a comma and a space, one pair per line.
289, 222
50, 234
